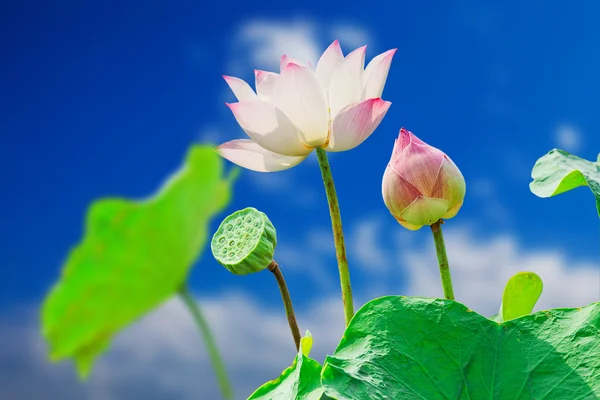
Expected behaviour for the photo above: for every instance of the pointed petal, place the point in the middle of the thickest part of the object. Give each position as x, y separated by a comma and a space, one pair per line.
449, 183
250, 155
265, 81
285, 60
453, 211
376, 74
425, 211
420, 164
346, 85
328, 62
397, 192
404, 139
269, 127
301, 97
355, 123
239, 87
409, 226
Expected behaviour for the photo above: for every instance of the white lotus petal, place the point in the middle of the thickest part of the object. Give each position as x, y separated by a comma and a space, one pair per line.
269, 127
328, 62
250, 155
376, 74
285, 60
239, 87
265, 81
346, 85
355, 123
301, 97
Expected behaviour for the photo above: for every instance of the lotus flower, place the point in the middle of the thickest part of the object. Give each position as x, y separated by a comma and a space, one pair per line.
421, 184
336, 107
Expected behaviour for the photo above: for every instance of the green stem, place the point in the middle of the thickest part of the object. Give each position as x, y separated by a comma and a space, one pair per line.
287, 303
440, 249
209, 340
338, 235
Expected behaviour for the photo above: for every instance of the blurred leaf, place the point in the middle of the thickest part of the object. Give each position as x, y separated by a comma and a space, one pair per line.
300, 381
135, 255
521, 293
414, 348
559, 171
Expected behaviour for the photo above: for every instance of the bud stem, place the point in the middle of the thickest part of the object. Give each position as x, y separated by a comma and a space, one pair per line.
287, 302
209, 340
440, 249
338, 234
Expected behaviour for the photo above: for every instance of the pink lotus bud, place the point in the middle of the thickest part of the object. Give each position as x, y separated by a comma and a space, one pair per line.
421, 184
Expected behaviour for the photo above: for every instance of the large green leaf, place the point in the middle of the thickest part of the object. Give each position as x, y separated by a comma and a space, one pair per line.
413, 348
301, 381
521, 293
135, 254
559, 171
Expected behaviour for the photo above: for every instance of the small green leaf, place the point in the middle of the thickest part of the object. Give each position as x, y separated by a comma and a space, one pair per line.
301, 381
135, 255
521, 293
559, 171
415, 349
306, 343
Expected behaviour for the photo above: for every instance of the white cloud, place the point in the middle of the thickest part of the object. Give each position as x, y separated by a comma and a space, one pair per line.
314, 259
210, 135
259, 44
321, 241
567, 137
352, 36
163, 357
480, 267
270, 181
265, 41
297, 193
309, 264
364, 247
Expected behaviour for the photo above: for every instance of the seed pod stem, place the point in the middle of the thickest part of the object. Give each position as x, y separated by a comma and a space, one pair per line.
287, 302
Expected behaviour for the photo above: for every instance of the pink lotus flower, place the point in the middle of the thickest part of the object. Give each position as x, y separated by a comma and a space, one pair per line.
336, 107
421, 184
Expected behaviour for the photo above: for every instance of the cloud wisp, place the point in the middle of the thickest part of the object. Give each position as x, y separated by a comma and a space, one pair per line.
567, 137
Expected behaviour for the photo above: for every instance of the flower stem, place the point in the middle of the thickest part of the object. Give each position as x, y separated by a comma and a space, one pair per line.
209, 340
287, 302
440, 249
338, 235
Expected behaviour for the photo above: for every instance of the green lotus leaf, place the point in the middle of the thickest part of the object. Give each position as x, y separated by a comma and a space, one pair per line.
414, 348
559, 171
134, 256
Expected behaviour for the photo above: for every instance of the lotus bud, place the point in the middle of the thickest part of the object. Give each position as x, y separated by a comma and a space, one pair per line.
421, 184
245, 242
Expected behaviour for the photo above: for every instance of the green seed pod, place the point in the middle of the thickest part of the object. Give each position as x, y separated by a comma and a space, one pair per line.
245, 242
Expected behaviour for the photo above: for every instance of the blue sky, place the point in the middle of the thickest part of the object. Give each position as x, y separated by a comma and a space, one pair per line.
103, 99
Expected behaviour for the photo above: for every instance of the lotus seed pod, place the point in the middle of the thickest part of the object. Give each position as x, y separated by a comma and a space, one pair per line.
245, 242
